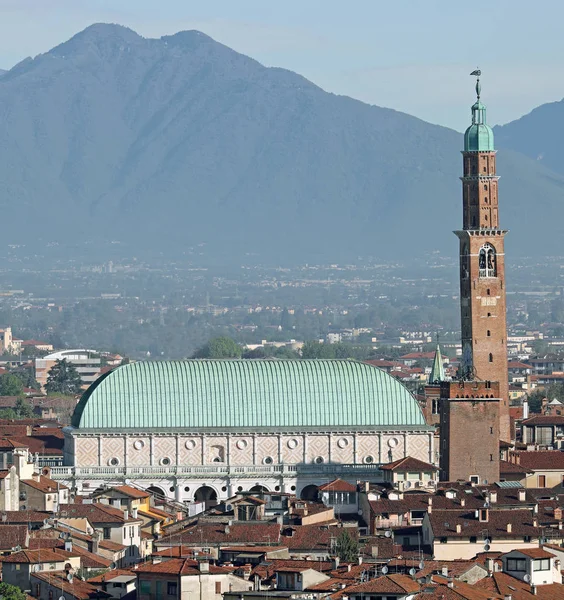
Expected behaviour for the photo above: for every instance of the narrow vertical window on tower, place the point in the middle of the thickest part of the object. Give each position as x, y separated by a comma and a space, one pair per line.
487, 261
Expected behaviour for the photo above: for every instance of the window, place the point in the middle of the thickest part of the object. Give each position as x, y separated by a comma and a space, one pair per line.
443, 540
50, 594
218, 587
171, 588
541, 481
541, 564
473, 539
107, 533
487, 261
145, 587
516, 564
491, 457
491, 357
491, 429
488, 333
489, 314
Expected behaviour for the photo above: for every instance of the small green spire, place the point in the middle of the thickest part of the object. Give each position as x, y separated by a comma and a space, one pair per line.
437, 370
479, 136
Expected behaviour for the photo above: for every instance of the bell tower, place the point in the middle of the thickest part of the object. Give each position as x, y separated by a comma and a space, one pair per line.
482, 264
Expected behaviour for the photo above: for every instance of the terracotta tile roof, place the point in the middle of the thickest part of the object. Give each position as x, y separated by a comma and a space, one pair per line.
312, 538
45, 485
268, 569
337, 485
181, 566
533, 553
205, 534
98, 513
33, 517
109, 575
185, 552
81, 590
253, 549
439, 589
34, 556
543, 460
544, 420
127, 490
505, 585
388, 584
444, 522
10, 444
408, 464
12, 536
510, 467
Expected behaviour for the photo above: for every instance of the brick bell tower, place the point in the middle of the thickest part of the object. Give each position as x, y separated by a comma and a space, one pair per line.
482, 264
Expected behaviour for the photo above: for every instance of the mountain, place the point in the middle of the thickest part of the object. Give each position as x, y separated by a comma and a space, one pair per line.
537, 135
180, 144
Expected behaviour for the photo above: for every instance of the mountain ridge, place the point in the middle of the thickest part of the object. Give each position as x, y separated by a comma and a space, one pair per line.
166, 144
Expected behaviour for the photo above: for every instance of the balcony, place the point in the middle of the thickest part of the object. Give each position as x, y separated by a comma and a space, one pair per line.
197, 472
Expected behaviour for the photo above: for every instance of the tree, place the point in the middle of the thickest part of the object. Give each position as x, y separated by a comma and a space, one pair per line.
11, 592
220, 347
23, 409
10, 385
63, 379
27, 378
347, 547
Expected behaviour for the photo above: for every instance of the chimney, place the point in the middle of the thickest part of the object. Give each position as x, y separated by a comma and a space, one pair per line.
490, 565
227, 530
95, 542
525, 408
458, 528
134, 513
493, 497
450, 582
534, 590
560, 525
535, 522
359, 561
507, 597
68, 545
204, 566
558, 513
508, 527
462, 502
522, 495
430, 505
444, 571
126, 515
335, 563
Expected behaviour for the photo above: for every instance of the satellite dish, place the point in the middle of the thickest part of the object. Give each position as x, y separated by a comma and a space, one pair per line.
69, 577
527, 578
486, 547
112, 566
421, 565
487, 542
62, 598
18, 548
384, 570
388, 533
412, 571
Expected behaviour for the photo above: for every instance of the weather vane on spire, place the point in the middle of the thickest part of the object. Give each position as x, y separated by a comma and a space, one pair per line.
477, 73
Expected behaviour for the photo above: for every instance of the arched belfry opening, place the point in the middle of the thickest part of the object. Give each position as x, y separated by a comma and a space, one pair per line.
488, 261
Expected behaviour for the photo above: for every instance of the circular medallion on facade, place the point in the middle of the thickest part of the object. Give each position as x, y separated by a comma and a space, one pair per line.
165, 461
138, 444
343, 443
369, 459
293, 443
318, 460
113, 462
190, 444
393, 442
242, 444
268, 460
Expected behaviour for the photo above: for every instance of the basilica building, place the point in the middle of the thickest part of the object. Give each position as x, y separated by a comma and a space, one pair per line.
203, 430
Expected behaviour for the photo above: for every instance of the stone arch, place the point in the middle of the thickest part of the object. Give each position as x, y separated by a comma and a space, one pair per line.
309, 492
207, 494
259, 489
157, 491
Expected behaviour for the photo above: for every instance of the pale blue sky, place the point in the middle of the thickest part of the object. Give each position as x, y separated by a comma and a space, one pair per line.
411, 55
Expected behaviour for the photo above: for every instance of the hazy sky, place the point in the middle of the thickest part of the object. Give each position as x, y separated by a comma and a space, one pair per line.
411, 55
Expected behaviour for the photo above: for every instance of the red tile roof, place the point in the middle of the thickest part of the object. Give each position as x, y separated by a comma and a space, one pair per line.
81, 590
44, 485
544, 420
388, 584
204, 534
181, 566
408, 464
12, 536
337, 485
543, 460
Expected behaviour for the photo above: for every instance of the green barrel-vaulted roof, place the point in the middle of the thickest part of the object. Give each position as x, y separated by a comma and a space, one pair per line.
194, 394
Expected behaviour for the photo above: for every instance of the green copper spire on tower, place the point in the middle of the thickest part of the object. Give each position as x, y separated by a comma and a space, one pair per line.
437, 370
479, 136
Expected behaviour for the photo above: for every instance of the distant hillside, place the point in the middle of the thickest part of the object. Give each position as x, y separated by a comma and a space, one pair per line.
172, 143
538, 135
